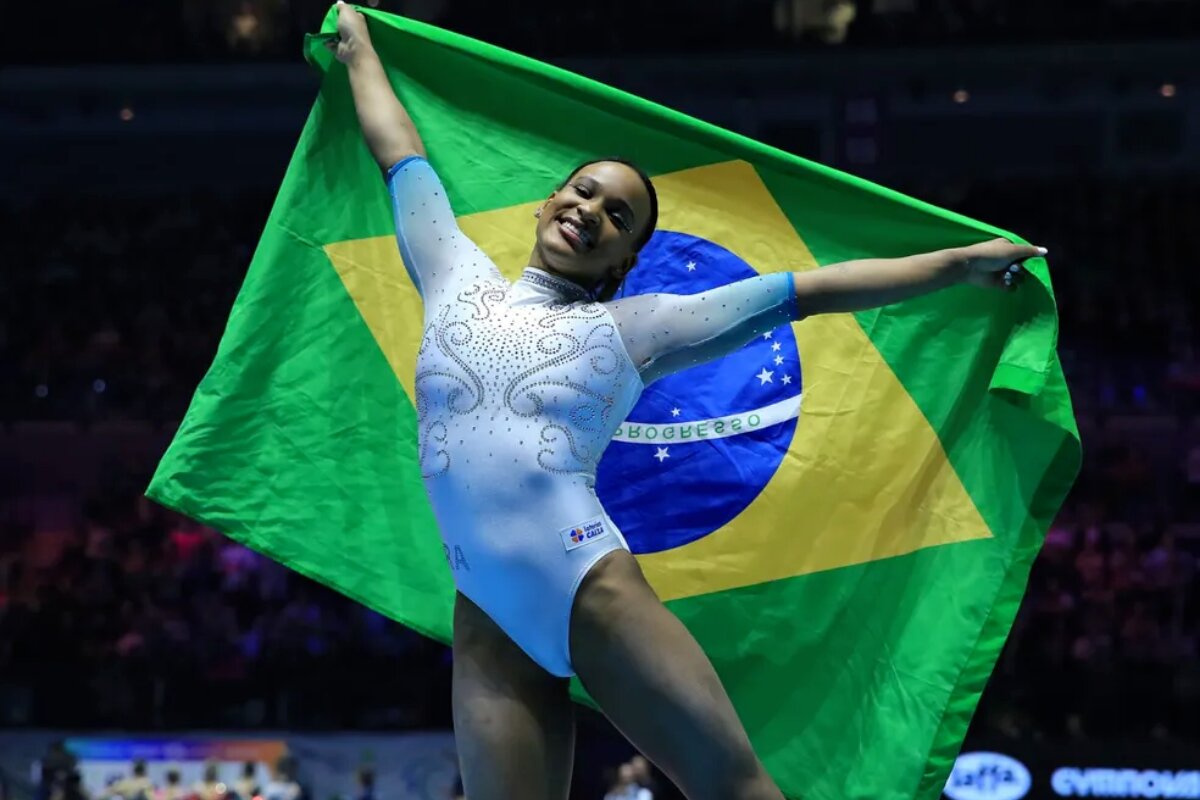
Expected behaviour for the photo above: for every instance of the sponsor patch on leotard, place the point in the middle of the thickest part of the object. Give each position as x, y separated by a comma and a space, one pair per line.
583, 533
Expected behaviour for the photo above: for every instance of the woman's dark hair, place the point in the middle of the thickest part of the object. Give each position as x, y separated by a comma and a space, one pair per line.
610, 287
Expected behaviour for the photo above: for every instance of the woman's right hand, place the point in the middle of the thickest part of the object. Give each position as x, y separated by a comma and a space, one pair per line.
353, 37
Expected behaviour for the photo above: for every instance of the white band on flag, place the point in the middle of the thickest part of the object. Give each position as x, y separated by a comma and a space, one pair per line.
714, 428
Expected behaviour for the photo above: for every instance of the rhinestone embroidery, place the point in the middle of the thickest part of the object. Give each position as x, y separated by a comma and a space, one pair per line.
569, 291
550, 365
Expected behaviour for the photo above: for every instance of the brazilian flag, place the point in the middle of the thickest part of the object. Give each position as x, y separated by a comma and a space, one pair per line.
843, 513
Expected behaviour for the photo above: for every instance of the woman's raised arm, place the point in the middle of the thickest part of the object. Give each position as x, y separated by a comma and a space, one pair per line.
389, 131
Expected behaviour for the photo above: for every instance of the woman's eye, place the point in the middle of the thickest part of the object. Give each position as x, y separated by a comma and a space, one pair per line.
620, 222
582, 191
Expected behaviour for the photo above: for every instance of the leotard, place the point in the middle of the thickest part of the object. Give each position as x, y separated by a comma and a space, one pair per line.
519, 388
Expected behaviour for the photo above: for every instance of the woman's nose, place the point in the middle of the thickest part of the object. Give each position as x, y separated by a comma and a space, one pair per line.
589, 211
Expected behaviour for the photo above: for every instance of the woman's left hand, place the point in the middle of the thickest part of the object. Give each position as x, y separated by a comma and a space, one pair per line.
998, 264
352, 35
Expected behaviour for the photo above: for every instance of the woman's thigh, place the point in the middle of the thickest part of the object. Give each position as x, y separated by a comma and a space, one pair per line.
652, 680
513, 721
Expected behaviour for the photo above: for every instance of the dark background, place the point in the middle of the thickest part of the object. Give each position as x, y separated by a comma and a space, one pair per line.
142, 145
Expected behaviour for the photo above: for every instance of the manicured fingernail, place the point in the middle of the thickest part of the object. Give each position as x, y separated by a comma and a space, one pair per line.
1042, 251
1014, 267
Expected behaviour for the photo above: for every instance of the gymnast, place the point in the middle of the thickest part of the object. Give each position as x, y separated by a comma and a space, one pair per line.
519, 388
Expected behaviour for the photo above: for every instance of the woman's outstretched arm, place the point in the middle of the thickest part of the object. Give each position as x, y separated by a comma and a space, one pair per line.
664, 333
870, 283
389, 131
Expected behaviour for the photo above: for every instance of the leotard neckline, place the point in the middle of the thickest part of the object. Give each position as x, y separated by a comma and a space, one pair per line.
567, 290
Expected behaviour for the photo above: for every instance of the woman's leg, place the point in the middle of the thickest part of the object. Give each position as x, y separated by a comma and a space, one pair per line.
657, 686
513, 721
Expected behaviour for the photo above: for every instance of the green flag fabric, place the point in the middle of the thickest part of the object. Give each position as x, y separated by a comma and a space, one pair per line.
843, 513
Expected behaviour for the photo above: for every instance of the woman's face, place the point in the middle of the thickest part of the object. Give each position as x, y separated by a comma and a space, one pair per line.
587, 230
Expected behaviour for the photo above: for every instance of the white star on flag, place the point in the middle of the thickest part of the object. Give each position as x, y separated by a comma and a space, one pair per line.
767, 335
775, 346
691, 266
662, 454
787, 379
674, 412
765, 376
778, 360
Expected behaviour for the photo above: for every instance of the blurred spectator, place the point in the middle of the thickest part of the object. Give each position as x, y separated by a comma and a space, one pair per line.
284, 784
643, 776
1169, 575
56, 766
1090, 568
1124, 562
174, 788
246, 786
366, 784
137, 786
210, 786
68, 786
625, 787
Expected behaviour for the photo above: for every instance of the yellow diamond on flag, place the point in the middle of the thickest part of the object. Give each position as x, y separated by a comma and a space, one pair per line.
864, 477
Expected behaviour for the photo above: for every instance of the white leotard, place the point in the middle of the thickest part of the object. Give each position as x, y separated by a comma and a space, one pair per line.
520, 387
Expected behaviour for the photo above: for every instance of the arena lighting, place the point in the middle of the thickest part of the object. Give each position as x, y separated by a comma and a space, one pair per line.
961, 96
1167, 90
98, 386
126, 114
41, 390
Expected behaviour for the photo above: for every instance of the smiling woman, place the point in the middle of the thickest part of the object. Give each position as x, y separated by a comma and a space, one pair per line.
599, 211
519, 389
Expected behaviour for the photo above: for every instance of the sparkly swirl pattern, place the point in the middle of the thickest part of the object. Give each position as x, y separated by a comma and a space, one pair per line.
461, 385
483, 298
590, 410
553, 369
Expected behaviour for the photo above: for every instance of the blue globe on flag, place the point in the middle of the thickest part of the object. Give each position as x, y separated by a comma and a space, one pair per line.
700, 444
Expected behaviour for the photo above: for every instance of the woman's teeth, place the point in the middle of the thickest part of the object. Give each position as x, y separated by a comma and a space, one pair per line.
584, 238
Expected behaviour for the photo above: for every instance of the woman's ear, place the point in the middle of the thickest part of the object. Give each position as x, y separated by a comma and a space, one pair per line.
545, 203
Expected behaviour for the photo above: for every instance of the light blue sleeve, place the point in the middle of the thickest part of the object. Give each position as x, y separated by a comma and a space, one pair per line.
666, 333
438, 256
